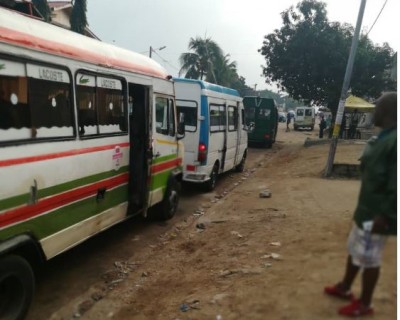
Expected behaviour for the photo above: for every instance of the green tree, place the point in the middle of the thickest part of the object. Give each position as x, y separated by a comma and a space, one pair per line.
307, 57
199, 64
43, 7
78, 17
225, 71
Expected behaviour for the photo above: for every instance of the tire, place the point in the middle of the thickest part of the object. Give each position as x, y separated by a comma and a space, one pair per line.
167, 208
240, 166
295, 128
17, 285
210, 184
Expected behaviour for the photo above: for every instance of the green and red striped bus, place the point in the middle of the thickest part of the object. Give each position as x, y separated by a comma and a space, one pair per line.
89, 137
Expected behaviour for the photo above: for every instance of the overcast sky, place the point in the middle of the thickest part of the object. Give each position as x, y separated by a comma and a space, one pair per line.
237, 26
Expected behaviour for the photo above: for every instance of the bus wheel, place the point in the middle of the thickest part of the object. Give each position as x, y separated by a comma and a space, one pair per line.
169, 205
240, 166
17, 284
210, 184
268, 144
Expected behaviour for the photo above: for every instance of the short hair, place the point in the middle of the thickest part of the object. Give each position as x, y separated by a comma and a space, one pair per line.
388, 102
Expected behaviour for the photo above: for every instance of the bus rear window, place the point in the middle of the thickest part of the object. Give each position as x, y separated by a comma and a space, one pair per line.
250, 114
189, 109
308, 112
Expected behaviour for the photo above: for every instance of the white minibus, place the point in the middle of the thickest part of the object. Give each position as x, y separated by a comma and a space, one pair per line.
215, 132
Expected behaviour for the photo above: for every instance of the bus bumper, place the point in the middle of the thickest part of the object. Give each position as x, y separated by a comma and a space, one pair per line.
195, 177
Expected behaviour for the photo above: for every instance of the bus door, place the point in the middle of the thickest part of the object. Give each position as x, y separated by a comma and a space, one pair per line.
165, 146
241, 134
139, 160
233, 136
218, 129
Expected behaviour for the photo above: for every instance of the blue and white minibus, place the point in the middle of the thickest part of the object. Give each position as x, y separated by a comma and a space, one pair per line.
215, 132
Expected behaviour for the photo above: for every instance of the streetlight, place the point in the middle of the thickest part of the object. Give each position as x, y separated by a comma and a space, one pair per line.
159, 49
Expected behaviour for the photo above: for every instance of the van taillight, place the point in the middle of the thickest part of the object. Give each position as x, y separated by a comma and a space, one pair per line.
202, 157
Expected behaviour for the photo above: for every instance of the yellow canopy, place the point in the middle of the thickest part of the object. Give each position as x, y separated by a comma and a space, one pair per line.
356, 103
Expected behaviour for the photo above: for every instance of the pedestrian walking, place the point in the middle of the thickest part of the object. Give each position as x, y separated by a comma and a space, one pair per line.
329, 125
322, 126
288, 119
375, 217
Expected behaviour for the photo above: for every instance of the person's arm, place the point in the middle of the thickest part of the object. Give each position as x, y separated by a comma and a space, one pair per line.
388, 214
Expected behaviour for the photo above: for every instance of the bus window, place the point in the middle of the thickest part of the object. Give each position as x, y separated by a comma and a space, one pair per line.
110, 105
244, 126
264, 113
249, 115
165, 116
217, 118
171, 118
189, 109
300, 112
35, 102
222, 118
101, 105
232, 118
86, 102
308, 113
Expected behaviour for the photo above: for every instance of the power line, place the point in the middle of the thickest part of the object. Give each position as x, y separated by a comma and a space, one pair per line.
166, 61
379, 14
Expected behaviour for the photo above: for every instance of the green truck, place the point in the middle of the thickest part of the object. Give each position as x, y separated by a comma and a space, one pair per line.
261, 116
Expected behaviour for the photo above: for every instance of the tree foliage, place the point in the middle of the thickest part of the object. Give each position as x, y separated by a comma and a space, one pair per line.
200, 63
207, 61
78, 17
43, 7
307, 57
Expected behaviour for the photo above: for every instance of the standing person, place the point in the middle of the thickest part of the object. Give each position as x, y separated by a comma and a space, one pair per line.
322, 126
288, 119
354, 118
329, 125
343, 130
375, 216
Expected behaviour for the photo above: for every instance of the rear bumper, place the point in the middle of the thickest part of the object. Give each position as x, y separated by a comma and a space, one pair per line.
195, 177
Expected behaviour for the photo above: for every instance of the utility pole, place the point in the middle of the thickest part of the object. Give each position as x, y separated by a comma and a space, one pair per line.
345, 88
154, 50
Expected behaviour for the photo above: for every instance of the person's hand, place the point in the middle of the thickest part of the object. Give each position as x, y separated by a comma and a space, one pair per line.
380, 225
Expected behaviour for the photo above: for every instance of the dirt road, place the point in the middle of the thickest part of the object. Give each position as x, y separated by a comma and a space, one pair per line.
239, 257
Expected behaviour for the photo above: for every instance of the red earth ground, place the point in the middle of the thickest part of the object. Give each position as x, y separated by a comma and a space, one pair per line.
238, 257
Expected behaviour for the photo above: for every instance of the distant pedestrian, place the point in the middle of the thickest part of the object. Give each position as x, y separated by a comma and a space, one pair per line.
329, 125
375, 216
343, 127
288, 119
354, 119
322, 126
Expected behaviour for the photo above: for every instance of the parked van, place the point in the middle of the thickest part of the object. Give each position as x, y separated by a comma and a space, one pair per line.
304, 118
261, 119
215, 137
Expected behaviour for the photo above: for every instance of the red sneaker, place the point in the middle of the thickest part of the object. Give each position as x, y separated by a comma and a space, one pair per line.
335, 291
355, 309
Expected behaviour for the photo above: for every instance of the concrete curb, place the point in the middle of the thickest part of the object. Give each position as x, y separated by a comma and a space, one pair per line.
310, 142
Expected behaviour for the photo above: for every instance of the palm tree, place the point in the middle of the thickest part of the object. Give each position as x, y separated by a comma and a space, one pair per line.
78, 18
225, 71
200, 63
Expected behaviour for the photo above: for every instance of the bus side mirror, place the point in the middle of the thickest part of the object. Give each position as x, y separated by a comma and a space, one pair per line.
181, 126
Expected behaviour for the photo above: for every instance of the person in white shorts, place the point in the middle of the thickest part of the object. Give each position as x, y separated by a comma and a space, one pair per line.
376, 214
